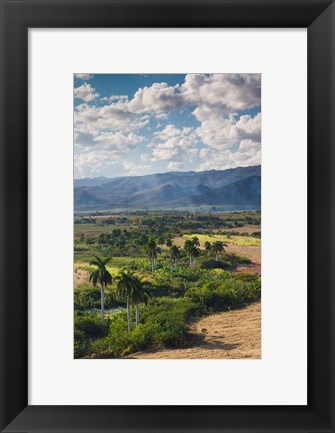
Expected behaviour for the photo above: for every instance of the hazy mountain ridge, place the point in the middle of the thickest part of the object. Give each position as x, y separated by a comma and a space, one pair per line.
240, 187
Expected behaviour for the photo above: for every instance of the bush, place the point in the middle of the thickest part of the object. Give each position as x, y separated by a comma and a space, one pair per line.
229, 294
87, 328
216, 264
235, 260
89, 324
87, 298
163, 324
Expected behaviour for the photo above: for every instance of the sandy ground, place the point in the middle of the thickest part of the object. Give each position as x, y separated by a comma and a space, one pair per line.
252, 252
80, 276
229, 335
254, 268
245, 229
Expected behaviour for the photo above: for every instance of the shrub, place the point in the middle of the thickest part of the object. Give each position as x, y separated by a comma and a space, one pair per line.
216, 264
235, 260
229, 294
87, 328
88, 324
89, 298
163, 324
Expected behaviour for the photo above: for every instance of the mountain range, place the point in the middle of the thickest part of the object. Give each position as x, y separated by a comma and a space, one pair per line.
236, 189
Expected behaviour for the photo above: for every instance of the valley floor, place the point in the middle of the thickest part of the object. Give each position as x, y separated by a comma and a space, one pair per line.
230, 335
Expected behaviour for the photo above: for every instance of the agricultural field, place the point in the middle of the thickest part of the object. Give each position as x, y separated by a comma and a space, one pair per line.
167, 284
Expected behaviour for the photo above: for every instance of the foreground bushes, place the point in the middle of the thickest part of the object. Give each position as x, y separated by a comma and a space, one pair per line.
88, 298
163, 325
230, 294
163, 322
215, 264
87, 328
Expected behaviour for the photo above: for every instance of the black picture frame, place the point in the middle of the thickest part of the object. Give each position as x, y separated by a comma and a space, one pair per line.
17, 16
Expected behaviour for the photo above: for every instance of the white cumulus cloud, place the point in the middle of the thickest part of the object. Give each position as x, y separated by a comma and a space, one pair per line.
85, 92
84, 77
160, 97
93, 163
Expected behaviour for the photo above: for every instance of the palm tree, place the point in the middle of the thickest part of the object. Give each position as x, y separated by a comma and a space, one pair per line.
187, 248
125, 287
195, 241
218, 247
191, 250
139, 294
174, 254
160, 240
103, 277
208, 247
195, 252
152, 250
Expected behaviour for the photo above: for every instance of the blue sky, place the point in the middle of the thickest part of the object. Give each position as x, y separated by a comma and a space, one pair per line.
134, 124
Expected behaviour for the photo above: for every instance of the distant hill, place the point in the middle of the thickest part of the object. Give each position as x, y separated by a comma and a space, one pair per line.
236, 188
91, 181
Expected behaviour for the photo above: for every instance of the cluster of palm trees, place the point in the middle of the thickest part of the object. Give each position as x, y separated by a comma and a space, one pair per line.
216, 247
133, 289
129, 287
192, 250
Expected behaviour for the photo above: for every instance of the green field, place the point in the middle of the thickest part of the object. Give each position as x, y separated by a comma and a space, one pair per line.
171, 267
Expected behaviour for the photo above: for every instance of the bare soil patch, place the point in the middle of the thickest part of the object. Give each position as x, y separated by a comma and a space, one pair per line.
230, 335
80, 276
252, 252
253, 268
245, 229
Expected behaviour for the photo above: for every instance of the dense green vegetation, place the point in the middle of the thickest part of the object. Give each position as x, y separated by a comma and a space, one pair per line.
146, 275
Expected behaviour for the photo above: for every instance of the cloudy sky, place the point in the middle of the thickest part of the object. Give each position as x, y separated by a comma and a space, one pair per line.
133, 124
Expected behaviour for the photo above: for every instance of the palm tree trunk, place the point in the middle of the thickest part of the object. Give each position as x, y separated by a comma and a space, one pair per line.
152, 263
128, 312
216, 256
137, 314
102, 303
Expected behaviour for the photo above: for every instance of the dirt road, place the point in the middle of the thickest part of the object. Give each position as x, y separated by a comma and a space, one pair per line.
230, 335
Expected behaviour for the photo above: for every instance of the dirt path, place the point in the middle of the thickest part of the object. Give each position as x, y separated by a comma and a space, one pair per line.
230, 335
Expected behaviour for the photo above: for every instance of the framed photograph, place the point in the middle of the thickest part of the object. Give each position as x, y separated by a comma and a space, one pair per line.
168, 247
167, 216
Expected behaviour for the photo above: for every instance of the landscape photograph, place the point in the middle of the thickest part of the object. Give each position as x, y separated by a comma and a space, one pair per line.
167, 216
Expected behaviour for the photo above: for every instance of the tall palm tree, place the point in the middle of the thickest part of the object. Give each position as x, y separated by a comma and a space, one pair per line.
103, 277
208, 247
218, 247
139, 294
152, 251
195, 241
174, 254
191, 250
188, 249
195, 252
125, 288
